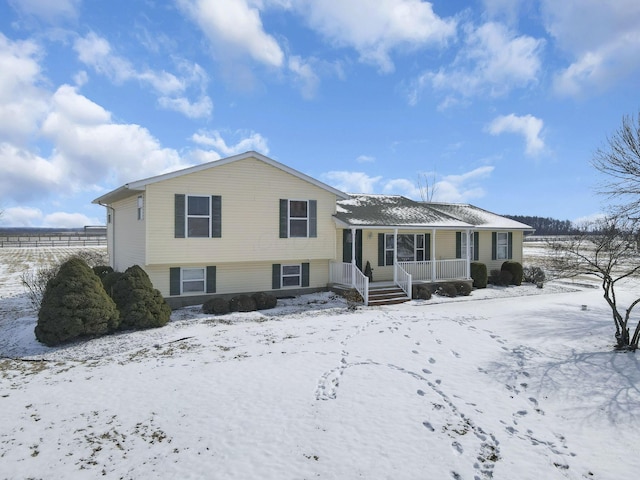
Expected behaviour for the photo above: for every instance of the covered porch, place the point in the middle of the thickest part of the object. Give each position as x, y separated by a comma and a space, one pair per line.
405, 256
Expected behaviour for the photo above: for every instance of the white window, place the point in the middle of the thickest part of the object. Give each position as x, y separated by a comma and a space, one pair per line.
502, 246
291, 275
198, 216
463, 245
193, 280
298, 218
411, 248
140, 207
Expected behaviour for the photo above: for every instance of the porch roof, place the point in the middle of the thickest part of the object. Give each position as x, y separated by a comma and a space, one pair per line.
392, 211
396, 211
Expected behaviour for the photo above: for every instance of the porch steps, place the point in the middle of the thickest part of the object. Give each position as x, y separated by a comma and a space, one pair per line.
386, 296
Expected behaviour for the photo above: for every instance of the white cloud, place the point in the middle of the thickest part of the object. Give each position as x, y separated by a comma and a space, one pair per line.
22, 217
234, 27
462, 188
25, 176
48, 10
97, 53
69, 220
305, 76
354, 182
254, 141
602, 37
376, 29
528, 126
493, 61
451, 188
365, 159
22, 101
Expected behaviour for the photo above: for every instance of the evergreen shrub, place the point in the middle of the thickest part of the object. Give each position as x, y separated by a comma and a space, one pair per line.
421, 292
140, 305
447, 290
242, 303
216, 306
102, 270
463, 288
515, 268
264, 301
74, 304
479, 274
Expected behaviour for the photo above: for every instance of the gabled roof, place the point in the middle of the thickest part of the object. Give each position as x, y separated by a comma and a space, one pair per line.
391, 211
138, 186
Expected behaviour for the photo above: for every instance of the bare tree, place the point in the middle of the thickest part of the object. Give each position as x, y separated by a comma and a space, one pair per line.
427, 186
608, 251
620, 162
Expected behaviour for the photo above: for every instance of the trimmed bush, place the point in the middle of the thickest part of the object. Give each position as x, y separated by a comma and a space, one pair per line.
479, 274
140, 305
74, 304
463, 289
242, 303
515, 268
421, 292
217, 306
447, 290
368, 271
494, 277
505, 278
264, 301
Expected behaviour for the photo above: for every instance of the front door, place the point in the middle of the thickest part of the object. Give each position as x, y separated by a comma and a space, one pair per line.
346, 247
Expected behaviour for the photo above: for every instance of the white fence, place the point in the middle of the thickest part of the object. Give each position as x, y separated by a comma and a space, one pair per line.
348, 274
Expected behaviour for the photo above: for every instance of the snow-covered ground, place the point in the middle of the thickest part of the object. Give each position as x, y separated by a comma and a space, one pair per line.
509, 383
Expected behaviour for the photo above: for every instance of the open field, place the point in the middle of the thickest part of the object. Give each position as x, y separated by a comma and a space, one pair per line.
509, 383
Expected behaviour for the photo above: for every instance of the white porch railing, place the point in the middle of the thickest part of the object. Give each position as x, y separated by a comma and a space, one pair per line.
349, 274
444, 269
403, 280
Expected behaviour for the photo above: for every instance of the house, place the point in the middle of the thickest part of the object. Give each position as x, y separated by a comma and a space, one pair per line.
406, 241
248, 223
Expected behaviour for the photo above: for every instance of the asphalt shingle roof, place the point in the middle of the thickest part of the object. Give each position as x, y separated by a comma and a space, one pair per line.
365, 210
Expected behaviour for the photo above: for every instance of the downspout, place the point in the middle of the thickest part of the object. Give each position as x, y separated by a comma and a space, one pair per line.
112, 256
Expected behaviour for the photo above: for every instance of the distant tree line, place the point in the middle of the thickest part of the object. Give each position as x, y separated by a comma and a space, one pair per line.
546, 225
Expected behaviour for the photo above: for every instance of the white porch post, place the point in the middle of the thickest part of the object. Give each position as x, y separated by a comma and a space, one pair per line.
468, 255
395, 256
433, 255
353, 257
353, 245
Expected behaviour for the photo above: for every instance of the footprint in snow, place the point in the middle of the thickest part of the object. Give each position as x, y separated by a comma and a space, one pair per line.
432, 360
457, 447
427, 371
421, 393
415, 351
428, 426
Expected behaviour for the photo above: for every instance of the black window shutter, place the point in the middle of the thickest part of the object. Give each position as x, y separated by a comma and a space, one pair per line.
284, 218
174, 281
179, 215
510, 240
427, 246
458, 244
275, 276
211, 279
216, 216
476, 245
313, 218
381, 249
494, 245
305, 274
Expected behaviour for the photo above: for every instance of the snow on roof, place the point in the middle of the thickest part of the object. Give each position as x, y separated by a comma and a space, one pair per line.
398, 211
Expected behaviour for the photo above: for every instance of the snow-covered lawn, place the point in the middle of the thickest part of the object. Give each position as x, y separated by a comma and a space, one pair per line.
509, 383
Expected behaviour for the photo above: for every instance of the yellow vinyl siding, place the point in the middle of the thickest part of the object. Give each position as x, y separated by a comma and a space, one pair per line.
129, 235
242, 277
250, 191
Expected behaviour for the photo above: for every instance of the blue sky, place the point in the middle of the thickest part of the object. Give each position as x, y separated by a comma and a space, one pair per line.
499, 103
